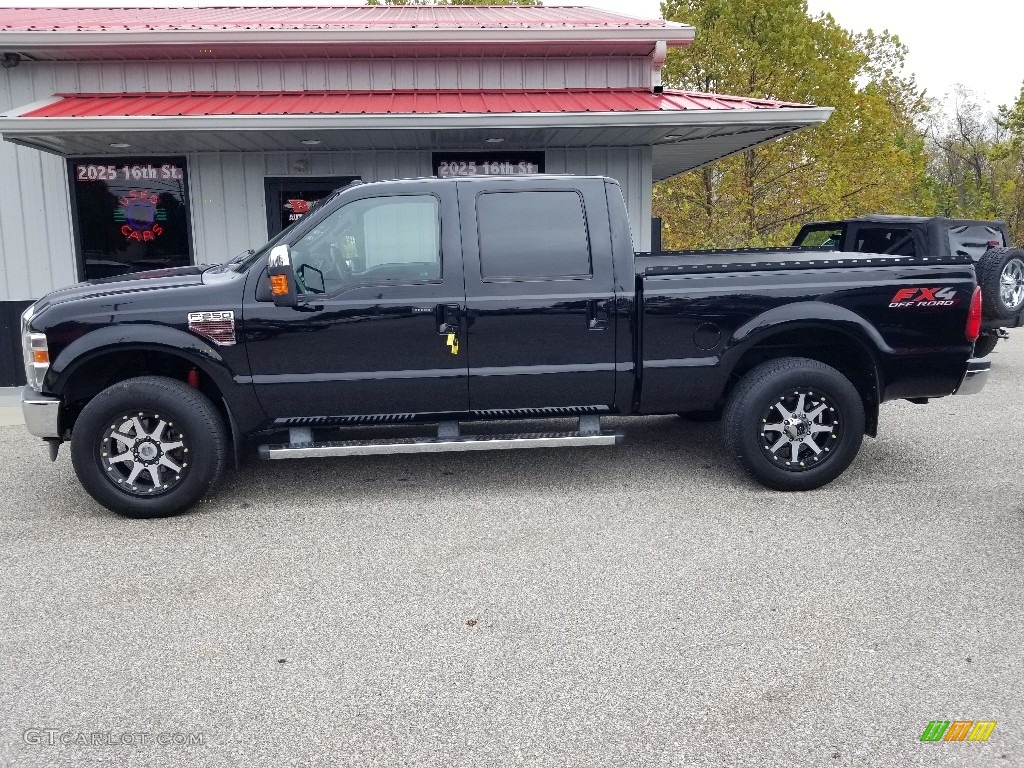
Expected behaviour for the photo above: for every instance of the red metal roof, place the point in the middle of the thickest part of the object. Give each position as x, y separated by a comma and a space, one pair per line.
391, 102
315, 17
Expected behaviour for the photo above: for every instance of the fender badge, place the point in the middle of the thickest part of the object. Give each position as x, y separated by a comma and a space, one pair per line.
217, 325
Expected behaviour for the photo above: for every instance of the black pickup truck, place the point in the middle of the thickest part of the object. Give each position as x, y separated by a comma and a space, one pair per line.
1000, 267
442, 302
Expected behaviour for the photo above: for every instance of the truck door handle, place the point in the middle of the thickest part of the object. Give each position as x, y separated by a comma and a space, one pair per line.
448, 317
597, 314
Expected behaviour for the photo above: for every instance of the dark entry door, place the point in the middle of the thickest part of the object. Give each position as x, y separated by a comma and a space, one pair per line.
540, 293
289, 198
380, 280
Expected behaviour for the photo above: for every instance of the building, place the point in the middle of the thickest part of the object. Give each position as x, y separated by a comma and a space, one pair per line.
149, 138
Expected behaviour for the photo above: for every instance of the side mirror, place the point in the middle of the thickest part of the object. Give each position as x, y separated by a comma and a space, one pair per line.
282, 277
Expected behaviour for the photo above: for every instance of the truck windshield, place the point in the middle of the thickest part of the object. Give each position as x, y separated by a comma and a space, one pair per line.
251, 257
824, 236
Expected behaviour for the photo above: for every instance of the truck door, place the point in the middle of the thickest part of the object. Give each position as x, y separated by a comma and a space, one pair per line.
540, 293
380, 280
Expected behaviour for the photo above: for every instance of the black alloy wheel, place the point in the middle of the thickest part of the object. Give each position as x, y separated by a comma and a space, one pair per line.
145, 454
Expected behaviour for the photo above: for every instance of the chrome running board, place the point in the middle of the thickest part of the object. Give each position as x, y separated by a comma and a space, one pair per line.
577, 439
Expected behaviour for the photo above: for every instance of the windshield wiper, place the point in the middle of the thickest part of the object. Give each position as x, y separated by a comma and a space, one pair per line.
227, 265
243, 255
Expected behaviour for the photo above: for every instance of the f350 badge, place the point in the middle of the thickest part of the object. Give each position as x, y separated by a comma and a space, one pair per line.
923, 297
217, 325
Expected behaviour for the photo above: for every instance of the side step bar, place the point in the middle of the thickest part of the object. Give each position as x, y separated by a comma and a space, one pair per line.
441, 444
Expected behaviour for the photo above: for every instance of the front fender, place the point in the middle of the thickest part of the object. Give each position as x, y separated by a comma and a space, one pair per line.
140, 336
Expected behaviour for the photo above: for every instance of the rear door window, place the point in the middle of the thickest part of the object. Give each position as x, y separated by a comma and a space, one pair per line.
533, 236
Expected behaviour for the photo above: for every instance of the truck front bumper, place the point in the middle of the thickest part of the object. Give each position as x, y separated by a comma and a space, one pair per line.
41, 412
976, 376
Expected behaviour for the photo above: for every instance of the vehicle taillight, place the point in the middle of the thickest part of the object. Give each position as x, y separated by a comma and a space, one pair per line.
974, 317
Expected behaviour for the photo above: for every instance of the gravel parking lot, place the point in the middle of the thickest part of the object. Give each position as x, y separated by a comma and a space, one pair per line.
646, 605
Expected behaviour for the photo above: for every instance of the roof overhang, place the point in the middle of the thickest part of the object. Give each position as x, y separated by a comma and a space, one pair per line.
680, 139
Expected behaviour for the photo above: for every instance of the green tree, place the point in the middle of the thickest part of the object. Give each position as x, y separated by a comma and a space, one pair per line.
869, 156
962, 144
976, 161
1010, 156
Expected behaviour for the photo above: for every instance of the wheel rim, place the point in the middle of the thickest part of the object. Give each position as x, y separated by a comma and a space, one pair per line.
1011, 284
801, 429
143, 454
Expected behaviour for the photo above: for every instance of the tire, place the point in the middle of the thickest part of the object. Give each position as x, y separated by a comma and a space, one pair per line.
800, 387
1001, 277
985, 344
187, 454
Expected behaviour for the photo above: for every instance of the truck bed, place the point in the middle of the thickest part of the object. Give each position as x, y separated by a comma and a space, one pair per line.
699, 308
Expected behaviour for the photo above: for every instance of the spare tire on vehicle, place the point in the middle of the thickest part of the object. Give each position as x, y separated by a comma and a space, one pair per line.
1001, 277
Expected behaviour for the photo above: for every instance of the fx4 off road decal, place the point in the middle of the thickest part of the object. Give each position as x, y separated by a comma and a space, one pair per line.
923, 297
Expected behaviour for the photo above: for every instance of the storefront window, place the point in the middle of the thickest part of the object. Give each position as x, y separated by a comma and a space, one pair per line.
131, 214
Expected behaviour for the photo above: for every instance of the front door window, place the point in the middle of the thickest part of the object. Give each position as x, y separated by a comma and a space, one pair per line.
378, 240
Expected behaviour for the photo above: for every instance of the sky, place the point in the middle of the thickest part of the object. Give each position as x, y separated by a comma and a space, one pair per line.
950, 42
977, 44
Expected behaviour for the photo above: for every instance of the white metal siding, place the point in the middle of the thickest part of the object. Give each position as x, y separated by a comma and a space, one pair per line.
630, 166
229, 202
227, 189
36, 251
338, 74
229, 212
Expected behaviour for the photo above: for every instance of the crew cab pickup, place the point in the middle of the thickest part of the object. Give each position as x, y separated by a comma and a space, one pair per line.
1000, 266
439, 304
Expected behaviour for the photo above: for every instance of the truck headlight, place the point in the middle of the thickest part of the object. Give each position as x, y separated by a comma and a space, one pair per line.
35, 352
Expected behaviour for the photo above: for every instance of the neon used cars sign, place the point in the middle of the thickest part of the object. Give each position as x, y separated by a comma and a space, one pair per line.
142, 215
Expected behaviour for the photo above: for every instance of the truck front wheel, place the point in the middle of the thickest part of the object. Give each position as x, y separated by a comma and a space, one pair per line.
795, 424
149, 447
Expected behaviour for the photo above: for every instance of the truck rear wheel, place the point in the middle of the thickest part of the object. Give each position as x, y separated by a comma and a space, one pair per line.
149, 447
795, 424
1001, 277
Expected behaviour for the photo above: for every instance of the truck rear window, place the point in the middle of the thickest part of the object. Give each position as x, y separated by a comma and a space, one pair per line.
532, 235
895, 241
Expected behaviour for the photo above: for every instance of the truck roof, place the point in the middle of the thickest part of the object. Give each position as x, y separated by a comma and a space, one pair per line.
485, 176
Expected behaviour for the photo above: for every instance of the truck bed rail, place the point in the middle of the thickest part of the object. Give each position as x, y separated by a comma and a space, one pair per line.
679, 263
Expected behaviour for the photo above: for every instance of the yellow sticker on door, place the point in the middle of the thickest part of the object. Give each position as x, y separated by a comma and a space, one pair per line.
453, 343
